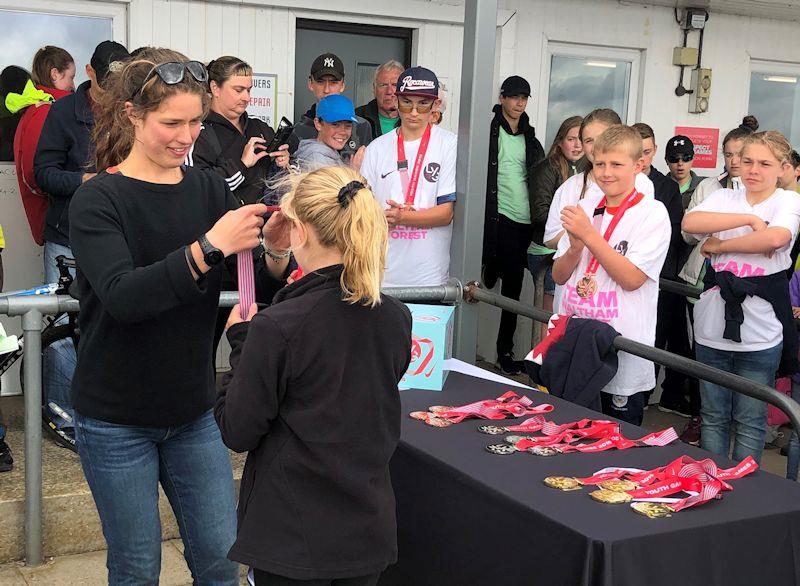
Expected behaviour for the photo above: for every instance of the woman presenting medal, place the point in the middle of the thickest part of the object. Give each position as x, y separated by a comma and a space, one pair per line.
312, 396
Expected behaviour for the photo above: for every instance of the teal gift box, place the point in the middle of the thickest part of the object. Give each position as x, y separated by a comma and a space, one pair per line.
431, 345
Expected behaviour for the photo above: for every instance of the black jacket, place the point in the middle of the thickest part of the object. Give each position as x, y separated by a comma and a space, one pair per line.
534, 153
312, 396
668, 193
579, 364
774, 289
369, 112
219, 148
542, 186
62, 158
362, 134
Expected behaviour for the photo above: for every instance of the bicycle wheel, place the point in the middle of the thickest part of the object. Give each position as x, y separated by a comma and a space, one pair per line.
58, 366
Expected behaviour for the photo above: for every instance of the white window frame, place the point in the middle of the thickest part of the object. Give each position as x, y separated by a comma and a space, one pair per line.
556, 48
763, 66
116, 11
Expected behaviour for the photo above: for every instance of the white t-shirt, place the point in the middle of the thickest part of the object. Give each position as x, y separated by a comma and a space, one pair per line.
761, 329
570, 193
642, 236
417, 256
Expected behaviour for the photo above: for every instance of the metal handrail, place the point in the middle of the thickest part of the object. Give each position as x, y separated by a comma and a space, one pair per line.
33, 308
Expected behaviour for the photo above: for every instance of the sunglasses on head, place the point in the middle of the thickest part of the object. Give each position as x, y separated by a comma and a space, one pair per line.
172, 72
679, 159
408, 108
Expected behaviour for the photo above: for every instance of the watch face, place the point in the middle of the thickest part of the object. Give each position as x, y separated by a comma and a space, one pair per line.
213, 257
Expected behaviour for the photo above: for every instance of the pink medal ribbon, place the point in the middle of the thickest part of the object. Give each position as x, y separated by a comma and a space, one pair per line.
247, 282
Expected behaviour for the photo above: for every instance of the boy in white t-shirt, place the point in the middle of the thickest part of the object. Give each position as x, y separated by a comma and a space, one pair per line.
609, 261
412, 172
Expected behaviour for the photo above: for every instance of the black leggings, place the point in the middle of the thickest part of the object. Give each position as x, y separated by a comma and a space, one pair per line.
266, 579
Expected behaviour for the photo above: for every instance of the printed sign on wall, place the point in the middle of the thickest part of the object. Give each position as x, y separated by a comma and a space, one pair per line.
263, 97
706, 145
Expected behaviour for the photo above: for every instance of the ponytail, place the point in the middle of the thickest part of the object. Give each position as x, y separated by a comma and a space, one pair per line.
341, 208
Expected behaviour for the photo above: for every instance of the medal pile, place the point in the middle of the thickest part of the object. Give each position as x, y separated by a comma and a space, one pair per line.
507, 406
564, 438
648, 491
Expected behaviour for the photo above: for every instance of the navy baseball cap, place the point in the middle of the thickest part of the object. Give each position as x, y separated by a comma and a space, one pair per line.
336, 108
515, 86
418, 81
108, 56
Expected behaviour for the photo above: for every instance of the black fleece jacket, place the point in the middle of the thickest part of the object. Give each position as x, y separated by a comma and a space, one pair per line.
312, 396
219, 148
534, 153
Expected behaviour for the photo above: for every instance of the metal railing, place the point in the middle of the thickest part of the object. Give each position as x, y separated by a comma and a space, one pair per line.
32, 308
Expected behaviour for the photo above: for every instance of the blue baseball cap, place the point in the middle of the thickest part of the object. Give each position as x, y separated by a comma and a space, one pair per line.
336, 108
418, 81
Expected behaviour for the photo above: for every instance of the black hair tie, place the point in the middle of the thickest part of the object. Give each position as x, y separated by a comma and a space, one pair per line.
348, 192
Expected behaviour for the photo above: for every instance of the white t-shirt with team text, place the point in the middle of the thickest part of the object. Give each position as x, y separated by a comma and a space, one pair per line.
761, 329
417, 256
642, 236
570, 193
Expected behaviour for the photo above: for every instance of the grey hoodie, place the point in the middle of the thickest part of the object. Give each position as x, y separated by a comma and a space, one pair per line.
312, 154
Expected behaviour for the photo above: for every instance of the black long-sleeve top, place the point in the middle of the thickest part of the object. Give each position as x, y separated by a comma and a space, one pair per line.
312, 395
145, 353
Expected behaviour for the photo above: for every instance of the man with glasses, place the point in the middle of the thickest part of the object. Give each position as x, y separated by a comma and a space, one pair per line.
382, 111
680, 157
412, 172
327, 78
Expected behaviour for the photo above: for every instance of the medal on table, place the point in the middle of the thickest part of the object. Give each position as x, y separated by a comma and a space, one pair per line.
611, 497
652, 510
564, 483
587, 285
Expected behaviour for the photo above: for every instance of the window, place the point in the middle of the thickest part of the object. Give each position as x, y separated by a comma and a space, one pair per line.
580, 79
775, 98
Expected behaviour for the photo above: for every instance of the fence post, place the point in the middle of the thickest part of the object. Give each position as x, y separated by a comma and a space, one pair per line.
32, 374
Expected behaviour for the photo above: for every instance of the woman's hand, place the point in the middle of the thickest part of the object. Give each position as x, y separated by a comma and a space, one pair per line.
236, 315
281, 156
249, 156
276, 232
358, 158
238, 229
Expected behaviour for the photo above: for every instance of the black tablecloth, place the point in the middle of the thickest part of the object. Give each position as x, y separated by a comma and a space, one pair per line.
466, 516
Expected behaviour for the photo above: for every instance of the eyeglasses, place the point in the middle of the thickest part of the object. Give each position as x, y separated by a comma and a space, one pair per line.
421, 108
680, 159
171, 73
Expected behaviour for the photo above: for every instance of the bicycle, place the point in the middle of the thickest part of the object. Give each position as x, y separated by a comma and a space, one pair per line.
57, 333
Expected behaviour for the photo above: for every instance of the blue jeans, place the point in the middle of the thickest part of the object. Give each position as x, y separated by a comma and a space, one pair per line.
534, 264
58, 360
721, 407
124, 466
793, 459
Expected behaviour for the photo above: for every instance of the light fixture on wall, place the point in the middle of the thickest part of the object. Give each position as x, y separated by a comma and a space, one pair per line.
604, 64
780, 79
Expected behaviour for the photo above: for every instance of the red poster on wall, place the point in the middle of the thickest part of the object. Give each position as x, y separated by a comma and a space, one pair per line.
706, 145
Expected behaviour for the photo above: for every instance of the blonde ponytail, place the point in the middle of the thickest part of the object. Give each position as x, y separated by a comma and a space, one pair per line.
341, 208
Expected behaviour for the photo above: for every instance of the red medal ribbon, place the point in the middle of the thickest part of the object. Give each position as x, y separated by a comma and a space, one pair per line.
630, 200
410, 185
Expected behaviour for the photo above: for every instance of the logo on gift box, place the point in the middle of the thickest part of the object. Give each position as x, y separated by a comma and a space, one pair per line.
422, 351
428, 318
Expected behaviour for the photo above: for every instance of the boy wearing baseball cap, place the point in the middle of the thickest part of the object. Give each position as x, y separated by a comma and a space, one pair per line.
327, 78
412, 172
334, 124
679, 155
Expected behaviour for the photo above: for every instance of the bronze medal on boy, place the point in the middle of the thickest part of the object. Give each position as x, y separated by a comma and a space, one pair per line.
586, 287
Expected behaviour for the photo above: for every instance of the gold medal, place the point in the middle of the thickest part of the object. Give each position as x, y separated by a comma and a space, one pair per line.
611, 497
618, 485
563, 483
586, 286
440, 409
652, 510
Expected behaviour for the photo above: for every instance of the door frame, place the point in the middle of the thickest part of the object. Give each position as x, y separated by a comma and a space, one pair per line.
354, 28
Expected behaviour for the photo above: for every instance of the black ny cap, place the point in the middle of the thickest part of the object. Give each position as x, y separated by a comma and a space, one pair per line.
327, 64
108, 56
515, 86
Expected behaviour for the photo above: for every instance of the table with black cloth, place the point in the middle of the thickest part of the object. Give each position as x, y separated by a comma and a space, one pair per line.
466, 516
